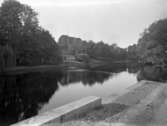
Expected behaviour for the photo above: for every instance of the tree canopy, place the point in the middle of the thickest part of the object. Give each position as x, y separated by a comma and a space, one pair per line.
20, 30
98, 50
152, 46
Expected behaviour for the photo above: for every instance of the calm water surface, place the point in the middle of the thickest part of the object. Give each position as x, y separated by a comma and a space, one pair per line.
100, 84
26, 95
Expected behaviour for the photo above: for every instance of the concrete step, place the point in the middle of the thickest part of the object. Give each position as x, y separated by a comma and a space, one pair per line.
63, 112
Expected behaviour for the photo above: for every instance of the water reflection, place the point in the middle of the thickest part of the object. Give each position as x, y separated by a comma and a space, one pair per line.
86, 77
133, 68
23, 96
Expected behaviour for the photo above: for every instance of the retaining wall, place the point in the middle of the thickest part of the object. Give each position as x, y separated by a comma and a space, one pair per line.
62, 113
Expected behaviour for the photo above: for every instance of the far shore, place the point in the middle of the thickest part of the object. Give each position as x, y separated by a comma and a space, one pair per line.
29, 69
93, 65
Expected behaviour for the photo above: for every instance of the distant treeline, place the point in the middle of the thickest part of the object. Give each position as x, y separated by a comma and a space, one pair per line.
100, 50
23, 42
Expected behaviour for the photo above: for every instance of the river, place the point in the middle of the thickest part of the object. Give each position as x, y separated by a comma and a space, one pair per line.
26, 95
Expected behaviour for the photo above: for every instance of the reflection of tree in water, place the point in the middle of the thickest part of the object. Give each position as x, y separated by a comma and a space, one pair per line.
86, 77
92, 77
23, 95
153, 73
133, 67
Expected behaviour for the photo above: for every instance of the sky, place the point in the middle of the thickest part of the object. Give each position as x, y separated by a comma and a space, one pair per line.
111, 21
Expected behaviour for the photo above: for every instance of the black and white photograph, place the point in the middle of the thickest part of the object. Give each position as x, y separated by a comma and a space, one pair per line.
83, 62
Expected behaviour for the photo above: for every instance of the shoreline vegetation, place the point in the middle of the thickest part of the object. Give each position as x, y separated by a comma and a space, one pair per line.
100, 66
28, 44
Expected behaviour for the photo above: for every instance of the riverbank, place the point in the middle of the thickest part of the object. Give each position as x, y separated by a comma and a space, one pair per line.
30, 69
93, 65
41, 68
144, 104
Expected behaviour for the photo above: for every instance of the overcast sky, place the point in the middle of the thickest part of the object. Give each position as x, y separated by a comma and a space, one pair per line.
113, 21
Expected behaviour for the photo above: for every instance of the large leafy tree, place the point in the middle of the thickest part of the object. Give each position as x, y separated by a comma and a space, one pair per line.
10, 25
19, 29
152, 46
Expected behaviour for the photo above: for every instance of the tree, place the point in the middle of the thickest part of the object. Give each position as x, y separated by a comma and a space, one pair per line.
10, 25
132, 52
152, 46
100, 50
19, 29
